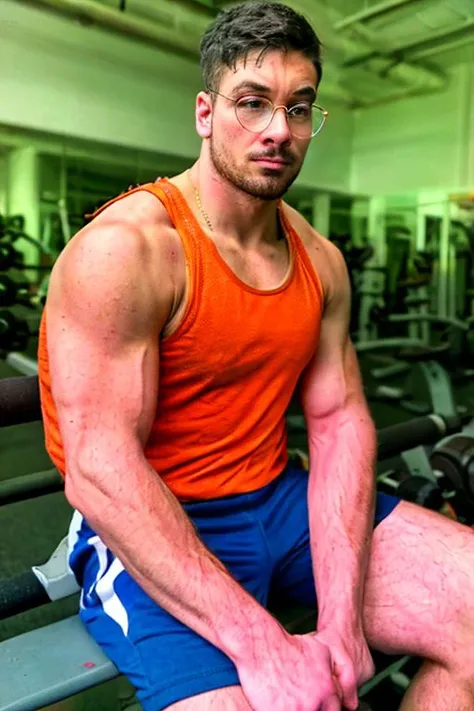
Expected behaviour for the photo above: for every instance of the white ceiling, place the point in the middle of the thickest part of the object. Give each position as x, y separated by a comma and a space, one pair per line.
376, 50
423, 28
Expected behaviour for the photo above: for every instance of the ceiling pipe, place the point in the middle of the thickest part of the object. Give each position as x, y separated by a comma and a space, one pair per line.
89, 12
374, 11
436, 39
395, 70
404, 52
445, 47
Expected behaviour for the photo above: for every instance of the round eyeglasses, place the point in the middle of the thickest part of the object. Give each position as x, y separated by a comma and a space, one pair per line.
255, 114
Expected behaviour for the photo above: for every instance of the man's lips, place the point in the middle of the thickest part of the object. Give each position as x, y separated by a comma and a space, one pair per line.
272, 161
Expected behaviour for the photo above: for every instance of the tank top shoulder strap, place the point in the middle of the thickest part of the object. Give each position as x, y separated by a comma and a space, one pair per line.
169, 196
179, 214
178, 211
300, 250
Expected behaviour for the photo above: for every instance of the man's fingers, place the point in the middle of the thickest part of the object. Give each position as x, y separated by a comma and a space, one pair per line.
348, 686
333, 703
350, 700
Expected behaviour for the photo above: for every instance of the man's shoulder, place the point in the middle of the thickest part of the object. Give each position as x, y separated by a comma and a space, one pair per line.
326, 258
131, 241
134, 226
138, 208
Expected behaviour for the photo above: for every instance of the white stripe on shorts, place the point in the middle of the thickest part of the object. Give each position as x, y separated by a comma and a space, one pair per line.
104, 580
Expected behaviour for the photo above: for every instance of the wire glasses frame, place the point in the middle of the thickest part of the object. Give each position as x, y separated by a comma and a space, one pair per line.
257, 119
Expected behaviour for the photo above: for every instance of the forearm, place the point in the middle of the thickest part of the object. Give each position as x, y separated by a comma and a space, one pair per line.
148, 530
341, 499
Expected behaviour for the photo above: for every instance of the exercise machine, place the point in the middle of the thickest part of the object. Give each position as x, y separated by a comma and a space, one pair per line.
412, 351
21, 285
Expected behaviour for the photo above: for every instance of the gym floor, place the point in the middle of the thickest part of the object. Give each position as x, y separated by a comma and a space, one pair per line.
32, 529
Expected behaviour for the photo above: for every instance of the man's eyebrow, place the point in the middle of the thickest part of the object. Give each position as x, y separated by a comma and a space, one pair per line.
306, 91
252, 85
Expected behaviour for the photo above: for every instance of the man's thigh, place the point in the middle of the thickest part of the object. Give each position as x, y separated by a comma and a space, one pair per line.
419, 592
419, 589
229, 699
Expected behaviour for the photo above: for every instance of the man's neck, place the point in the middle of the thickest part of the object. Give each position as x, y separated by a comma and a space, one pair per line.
231, 212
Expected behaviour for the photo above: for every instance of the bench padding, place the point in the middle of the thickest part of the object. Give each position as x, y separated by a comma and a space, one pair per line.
48, 664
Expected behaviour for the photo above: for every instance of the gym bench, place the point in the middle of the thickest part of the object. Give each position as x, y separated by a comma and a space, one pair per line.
50, 664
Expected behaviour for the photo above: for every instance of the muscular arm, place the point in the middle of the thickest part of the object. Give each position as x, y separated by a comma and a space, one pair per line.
342, 447
104, 317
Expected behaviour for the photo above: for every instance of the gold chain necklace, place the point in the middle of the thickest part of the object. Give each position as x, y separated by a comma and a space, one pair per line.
199, 204
206, 216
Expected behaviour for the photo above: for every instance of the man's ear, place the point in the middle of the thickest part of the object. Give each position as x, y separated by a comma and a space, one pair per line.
204, 115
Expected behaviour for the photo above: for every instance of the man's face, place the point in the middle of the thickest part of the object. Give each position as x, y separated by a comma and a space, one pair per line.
263, 164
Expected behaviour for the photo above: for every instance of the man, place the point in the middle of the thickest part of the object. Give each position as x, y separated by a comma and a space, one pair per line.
179, 323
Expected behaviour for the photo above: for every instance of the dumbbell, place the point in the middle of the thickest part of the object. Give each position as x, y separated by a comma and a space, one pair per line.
9, 256
14, 333
452, 490
453, 463
12, 292
417, 489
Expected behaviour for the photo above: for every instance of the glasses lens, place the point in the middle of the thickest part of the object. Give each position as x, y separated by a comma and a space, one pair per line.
306, 120
254, 114
319, 117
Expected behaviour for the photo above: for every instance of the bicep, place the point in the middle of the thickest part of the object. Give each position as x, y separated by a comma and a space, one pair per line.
333, 376
103, 334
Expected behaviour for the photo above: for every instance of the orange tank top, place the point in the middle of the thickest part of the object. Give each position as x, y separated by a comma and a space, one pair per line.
227, 373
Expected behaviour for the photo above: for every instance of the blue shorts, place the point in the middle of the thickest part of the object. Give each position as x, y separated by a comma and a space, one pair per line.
262, 538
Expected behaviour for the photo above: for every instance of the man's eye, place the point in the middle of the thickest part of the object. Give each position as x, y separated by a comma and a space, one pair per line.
252, 104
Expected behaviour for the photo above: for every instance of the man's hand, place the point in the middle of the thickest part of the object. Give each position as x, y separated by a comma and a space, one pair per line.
295, 675
352, 663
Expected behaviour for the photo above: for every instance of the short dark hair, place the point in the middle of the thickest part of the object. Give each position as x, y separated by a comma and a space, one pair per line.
255, 26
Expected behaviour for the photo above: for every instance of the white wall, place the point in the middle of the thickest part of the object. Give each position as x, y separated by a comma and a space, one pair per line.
328, 163
66, 79
60, 77
420, 143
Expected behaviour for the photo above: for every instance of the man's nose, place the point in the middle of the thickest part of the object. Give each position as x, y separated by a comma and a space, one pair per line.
279, 127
